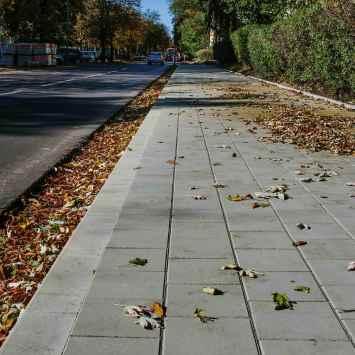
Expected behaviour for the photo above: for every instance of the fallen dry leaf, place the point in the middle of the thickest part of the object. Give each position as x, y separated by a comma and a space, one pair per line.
299, 243
231, 267
219, 186
158, 310
251, 273
303, 226
239, 198
303, 289
351, 266
260, 205
212, 291
200, 197
200, 314
308, 130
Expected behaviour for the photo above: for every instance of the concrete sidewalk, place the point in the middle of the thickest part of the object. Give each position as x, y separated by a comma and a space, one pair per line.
147, 209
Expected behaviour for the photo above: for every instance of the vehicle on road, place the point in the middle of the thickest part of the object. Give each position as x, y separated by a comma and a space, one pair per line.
68, 55
88, 56
155, 58
172, 55
59, 59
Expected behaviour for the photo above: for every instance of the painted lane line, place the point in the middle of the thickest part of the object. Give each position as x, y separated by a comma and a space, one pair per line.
70, 80
12, 92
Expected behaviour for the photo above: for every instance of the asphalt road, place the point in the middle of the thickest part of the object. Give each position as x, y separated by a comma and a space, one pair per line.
44, 114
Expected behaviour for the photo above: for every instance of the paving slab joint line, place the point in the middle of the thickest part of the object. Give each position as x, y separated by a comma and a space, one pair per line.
168, 244
241, 281
308, 265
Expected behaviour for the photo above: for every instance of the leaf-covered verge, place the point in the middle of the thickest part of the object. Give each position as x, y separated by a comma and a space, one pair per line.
33, 234
291, 118
309, 130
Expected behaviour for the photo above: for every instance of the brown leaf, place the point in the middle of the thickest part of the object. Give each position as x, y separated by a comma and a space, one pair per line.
299, 243
158, 310
260, 204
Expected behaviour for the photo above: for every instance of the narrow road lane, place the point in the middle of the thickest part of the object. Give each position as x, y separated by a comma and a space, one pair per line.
45, 114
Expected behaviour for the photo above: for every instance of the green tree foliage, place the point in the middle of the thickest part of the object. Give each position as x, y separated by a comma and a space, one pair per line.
39, 20
313, 45
193, 34
108, 24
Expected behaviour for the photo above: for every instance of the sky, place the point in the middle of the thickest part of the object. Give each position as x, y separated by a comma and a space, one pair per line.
162, 7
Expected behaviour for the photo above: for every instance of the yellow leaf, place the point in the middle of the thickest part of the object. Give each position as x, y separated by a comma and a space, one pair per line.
158, 310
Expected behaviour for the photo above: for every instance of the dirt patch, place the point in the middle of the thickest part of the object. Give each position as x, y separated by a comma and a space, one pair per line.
33, 234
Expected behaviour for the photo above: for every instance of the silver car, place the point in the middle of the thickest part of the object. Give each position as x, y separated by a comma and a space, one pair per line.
155, 58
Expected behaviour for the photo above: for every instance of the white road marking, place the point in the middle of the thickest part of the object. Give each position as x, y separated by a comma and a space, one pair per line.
12, 92
64, 81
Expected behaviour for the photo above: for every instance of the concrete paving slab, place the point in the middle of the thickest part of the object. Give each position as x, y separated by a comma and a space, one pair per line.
329, 249
200, 271
261, 240
111, 346
333, 272
116, 260
265, 260
225, 336
140, 237
318, 231
106, 318
40, 332
282, 347
283, 282
309, 320
127, 283
182, 300
342, 297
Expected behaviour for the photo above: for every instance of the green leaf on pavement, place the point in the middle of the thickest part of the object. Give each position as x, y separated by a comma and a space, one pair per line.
138, 262
282, 301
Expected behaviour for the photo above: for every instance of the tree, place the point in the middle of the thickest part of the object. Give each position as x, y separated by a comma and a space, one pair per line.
40, 20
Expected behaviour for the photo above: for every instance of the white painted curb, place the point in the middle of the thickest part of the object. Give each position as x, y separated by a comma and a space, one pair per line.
305, 93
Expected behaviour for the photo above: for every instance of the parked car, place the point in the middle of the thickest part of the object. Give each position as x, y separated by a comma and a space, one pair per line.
155, 58
88, 56
140, 58
68, 55
59, 59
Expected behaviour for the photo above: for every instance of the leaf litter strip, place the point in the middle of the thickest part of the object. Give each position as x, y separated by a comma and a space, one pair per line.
318, 283
33, 232
235, 256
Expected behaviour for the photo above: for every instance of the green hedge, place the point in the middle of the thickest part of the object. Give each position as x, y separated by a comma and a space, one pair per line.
317, 48
311, 47
240, 44
263, 55
204, 55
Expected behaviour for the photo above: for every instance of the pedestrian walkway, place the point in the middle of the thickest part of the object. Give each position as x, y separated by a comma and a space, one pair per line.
188, 157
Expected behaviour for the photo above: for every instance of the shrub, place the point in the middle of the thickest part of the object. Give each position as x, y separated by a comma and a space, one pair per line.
313, 46
240, 44
262, 54
316, 47
204, 55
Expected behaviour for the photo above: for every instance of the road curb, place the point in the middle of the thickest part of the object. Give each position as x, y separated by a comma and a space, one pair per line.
45, 326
